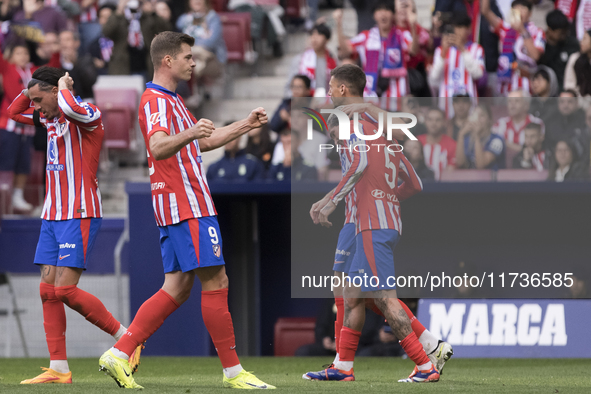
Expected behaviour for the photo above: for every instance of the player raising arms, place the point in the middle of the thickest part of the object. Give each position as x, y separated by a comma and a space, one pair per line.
360, 172
72, 210
190, 238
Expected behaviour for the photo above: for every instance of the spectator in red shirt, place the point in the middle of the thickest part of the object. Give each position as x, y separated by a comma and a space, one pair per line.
438, 148
15, 138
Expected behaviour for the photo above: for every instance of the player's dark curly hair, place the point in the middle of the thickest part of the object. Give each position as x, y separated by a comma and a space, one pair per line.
46, 78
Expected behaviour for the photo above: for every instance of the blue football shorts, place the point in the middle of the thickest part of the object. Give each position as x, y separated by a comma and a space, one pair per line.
66, 243
373, 264
190, 244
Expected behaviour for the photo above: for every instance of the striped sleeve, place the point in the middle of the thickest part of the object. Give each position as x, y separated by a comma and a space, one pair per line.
85, 115
157, 115
354, 173
21, 110
411, 184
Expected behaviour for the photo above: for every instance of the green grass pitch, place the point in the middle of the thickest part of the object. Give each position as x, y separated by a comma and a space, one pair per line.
375, 375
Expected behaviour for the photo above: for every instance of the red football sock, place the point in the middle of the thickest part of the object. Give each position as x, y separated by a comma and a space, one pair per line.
416, 325
147, 320
54, 321
338, 324
349, 343
370, 304
88, 306
414, 349
218, 321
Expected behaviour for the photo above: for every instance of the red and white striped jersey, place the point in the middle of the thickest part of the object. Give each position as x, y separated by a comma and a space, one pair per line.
350, 208
346, 157
511, 132
456, 78
373, 177
179, 187
439, 156
519, 82
74, 142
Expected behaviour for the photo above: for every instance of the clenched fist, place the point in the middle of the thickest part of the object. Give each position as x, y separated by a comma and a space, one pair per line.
203, 128
257, 118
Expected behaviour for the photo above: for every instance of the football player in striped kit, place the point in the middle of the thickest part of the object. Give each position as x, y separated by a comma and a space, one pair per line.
370, 206
72, 210
190, 238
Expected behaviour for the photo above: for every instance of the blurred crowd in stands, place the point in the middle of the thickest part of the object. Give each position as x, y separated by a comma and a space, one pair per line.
470, 50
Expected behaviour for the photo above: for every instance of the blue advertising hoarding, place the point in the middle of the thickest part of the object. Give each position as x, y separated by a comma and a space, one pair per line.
510, 328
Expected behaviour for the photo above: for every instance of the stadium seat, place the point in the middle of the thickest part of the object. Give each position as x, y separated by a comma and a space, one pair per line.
467, 176
219, 5
119, 110
291, 333
295, 9
6, 182
236, 30
519, 175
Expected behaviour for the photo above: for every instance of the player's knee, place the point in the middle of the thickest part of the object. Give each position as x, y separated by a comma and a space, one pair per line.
63, 293
352, 303
183, 295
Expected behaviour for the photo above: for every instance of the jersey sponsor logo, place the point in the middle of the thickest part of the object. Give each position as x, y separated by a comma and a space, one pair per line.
343, 252
52, 156
377, 193
151, 169
54, 167
67, 246
158, 185
392, 197
217, 251
64, 256
155, 118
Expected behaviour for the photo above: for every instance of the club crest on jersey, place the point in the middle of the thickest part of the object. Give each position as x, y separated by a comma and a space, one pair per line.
394, 55
155, 117
217, 251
